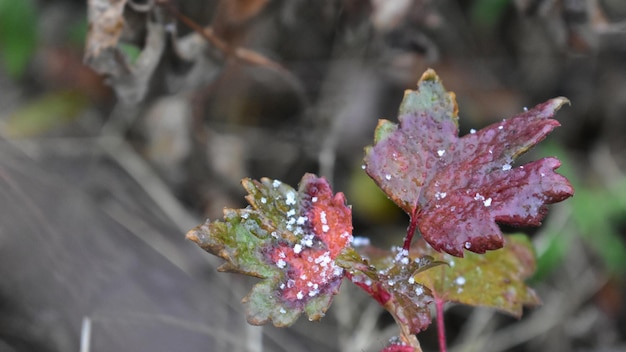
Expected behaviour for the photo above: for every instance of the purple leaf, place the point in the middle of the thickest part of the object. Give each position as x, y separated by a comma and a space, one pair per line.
457, 188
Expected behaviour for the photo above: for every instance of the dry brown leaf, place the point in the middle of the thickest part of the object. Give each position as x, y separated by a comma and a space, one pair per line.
106, 23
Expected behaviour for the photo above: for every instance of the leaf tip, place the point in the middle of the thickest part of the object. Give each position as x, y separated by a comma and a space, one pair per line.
196, 233
429, 75
560, 101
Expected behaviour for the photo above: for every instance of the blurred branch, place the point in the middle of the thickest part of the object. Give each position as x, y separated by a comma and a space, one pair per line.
245, 55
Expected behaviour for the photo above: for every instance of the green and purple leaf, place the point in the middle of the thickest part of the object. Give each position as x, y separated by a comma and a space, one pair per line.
387, 277
494, 279
457, 188
288, 238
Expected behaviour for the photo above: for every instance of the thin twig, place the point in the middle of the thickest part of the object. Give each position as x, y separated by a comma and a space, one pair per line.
245, 55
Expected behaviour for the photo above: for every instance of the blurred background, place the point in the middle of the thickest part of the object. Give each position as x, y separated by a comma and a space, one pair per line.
125, 123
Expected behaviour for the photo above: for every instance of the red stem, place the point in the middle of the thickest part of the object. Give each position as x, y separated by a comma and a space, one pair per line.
411, 230
441, 328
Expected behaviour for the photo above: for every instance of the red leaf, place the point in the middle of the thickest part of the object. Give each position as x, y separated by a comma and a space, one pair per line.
290, 240
458, 188
325, 232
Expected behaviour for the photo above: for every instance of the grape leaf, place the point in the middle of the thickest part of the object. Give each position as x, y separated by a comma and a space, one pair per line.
495, 279
387, 277
290, 240
457, 188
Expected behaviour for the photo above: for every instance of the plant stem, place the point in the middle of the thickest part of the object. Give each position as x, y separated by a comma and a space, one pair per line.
441, 328
411, 229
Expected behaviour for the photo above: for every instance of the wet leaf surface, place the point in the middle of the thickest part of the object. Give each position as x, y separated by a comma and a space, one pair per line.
387, 277
494, 279
457, 188
288, 238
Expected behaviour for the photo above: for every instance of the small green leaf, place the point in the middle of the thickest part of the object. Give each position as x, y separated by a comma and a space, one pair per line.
495, 279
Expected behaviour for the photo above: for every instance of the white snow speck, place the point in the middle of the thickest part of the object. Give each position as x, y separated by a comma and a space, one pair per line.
460, 281
301, 220
325, 228
314, 199
411, 280
467, 245
308, 241
245, 215
440, 195
263, 200
402, 256
479, 196
451, 263
472, 131
542, 174
487, 202
282, 311
276, 184
323, 217
525, 109
291, 198
419, 290
299, 295
297, 248
387, 177
441, 152
291, 212
281, 263
490, 151
338, 271
506, 167
363, 166
500, 127
358, 241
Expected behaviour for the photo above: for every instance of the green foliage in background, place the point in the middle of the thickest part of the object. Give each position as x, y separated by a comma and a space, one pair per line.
593, 214
487, 13
45, 113
18, 35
